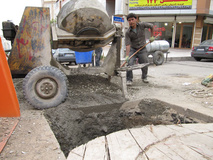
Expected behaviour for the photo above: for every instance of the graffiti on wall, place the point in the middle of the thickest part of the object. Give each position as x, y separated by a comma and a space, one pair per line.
32, 39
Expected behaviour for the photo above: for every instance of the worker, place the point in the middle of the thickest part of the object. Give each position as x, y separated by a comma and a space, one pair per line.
135, 39
97, 54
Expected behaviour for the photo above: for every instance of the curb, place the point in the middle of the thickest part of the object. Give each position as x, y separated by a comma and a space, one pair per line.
180, 59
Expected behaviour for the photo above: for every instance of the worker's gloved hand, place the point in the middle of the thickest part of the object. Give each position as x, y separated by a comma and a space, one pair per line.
127, 58
94, 54
151, 39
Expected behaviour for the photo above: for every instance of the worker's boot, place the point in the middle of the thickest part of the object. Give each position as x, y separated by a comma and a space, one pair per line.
145, 80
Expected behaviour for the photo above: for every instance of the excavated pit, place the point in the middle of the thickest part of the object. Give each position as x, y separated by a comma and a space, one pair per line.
74, 124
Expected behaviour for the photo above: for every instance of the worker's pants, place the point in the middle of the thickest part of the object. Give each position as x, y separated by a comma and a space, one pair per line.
97, 58
142, 58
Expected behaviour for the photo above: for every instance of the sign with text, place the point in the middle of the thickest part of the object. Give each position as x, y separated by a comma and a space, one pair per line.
159, 4
118, 19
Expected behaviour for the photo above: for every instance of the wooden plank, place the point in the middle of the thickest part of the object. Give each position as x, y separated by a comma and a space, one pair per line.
154, 154
200, 127
122, 146
210, 134
180, 130
161, 132
77, 153
168, 151
200, 143
146, 138
95, 149
141, 156
188, 141
143, 137
182, 150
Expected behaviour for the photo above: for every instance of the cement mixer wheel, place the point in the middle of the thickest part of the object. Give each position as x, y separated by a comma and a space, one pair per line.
158, 58
45, 87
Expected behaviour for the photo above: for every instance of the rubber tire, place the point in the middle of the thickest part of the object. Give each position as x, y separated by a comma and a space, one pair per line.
38, 74
197, 58
158, 58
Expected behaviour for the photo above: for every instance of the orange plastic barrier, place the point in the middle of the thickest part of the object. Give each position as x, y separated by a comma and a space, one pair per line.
9, 106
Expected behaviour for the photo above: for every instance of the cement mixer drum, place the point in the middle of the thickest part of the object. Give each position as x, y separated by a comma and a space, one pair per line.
81, 17
83, 25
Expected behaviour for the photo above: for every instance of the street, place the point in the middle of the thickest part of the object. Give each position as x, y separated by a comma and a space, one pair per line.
173, 82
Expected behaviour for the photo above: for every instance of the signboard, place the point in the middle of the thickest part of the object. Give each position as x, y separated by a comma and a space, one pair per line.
159, 4
118, 19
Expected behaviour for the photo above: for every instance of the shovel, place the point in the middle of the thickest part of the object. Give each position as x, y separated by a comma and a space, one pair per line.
137, 51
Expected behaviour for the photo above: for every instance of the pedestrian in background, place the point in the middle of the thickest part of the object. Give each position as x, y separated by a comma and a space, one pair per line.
135, 39
97, 54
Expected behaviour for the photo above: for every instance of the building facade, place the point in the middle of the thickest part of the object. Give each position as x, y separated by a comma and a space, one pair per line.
183, 23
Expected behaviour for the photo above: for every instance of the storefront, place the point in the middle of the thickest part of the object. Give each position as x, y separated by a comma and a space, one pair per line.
184, 35
178, 31
179, 22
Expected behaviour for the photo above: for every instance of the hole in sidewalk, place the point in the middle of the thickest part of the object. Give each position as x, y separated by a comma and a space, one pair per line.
73, 127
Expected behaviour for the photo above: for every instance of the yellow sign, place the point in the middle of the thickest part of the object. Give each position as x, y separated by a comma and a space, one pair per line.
160, 4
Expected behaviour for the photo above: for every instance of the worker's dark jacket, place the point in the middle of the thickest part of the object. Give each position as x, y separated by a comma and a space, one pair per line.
137, 40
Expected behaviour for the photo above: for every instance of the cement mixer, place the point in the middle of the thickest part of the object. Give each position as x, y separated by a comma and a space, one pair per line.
81, 26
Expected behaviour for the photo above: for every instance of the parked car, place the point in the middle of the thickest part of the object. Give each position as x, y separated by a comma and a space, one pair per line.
203, 51
65, 55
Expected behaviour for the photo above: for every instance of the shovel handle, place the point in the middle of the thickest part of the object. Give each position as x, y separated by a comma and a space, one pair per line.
138, 51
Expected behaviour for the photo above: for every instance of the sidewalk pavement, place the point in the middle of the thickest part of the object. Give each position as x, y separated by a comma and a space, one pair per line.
179, 52
179, 55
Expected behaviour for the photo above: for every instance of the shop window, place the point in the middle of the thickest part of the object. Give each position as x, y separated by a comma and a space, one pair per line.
187, 36
204, 34
207, 32
183, 35
210, 32
177, 36
165, 30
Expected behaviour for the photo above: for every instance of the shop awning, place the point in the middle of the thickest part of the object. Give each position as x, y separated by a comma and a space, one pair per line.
185, 18
208, 20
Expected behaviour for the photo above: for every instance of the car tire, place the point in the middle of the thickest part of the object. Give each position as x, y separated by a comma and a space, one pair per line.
45, 87
158, 58
197, 58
